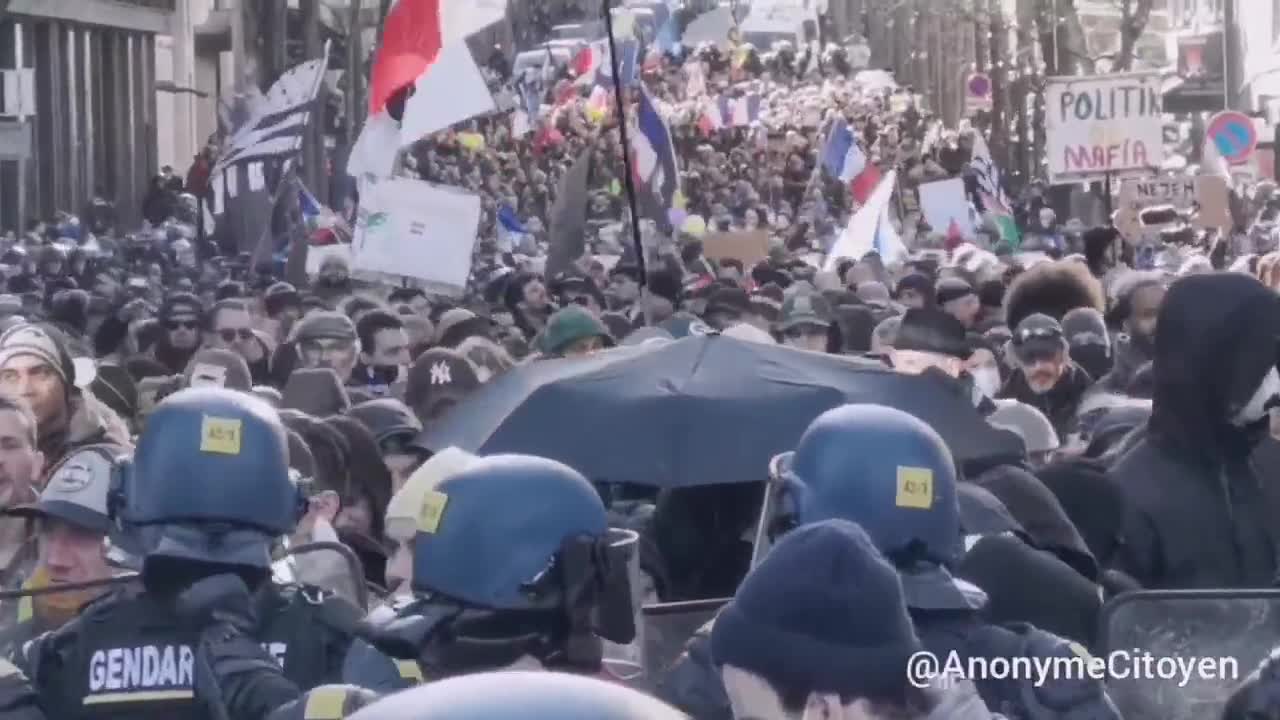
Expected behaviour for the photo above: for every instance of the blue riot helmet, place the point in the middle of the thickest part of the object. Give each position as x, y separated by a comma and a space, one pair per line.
514, 555
891, 473
524, 695
209, 482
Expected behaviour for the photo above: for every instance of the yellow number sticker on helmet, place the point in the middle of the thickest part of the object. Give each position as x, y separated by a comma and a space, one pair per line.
433, 504
220, 435
915, 488
326, 703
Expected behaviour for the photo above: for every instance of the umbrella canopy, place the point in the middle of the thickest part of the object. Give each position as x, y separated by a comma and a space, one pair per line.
697, 411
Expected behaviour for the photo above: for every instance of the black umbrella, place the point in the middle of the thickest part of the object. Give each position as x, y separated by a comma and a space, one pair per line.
697, 411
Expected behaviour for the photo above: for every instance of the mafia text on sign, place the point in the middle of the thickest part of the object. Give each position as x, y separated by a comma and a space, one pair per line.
1103, 124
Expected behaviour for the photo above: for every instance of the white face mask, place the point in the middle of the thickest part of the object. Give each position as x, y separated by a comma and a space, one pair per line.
1256, 408
986, 380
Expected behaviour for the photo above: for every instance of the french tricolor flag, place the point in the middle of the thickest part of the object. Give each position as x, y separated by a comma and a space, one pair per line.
741, 111
724, 111
844, 160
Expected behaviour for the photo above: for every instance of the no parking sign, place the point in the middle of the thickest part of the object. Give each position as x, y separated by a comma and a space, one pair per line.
1233, 135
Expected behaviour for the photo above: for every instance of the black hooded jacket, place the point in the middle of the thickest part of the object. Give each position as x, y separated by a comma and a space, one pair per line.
1197, 514
1062, 401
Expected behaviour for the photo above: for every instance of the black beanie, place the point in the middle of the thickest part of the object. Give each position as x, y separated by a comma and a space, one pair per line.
991, 293
824, 613
917, 283
665, 285
932, 331
70, 309
952, 288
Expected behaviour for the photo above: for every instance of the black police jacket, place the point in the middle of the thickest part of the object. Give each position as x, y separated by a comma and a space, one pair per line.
128, 655
298, 629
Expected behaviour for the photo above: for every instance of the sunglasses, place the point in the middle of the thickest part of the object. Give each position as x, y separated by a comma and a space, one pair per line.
229, 335
1026, 334
182, 324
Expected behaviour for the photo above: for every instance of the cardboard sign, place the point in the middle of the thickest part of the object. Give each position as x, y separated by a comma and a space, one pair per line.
1103, 124
1206, 195
413, 229
748, 246
946, 208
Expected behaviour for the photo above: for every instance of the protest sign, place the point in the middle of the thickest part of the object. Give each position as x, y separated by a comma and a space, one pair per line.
749, 246
413, 229
946, 208
1203, 198
776, 16
1103, 124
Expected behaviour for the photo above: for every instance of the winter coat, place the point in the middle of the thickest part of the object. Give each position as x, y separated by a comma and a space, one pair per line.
1060, 403
1129, 356
1198, 515
91, 422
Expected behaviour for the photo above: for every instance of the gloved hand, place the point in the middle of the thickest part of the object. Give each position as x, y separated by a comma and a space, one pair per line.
218, 599
235, 677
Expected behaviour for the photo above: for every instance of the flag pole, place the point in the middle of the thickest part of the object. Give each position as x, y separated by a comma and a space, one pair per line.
627, 176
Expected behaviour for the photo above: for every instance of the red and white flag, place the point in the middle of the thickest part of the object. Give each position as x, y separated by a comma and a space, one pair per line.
424, 45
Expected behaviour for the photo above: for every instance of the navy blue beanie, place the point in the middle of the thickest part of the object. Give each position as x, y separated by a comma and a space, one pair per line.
824, 613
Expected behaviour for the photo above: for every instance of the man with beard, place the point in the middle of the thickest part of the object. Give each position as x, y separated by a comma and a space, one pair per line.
1044, 376
180, 316
1136, 311
1199, 514
327, 339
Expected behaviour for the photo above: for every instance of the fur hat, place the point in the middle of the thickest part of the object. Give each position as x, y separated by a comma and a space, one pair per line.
1053, 289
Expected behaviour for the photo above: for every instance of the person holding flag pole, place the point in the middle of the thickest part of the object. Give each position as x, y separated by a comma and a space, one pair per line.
628, 175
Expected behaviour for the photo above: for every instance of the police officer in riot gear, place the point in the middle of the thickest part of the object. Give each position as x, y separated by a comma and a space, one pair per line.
513, 563
202, 500
307, 629
892, 474
525, 695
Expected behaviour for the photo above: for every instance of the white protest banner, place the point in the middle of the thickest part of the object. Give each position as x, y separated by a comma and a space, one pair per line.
413, 229
776, 16
944, 204
1103, 124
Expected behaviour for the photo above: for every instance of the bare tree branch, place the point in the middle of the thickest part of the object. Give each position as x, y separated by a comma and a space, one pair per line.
1133, 23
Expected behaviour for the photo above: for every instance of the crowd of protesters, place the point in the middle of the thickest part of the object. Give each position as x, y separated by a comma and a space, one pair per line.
1141, 383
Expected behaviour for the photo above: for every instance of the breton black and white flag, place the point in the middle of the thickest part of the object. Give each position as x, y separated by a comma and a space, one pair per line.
279, 118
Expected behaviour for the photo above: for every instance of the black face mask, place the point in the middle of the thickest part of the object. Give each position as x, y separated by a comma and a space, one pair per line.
383, 374
1145, 343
